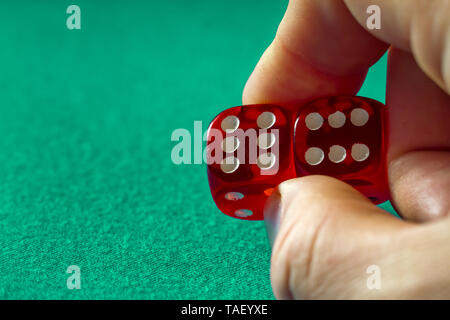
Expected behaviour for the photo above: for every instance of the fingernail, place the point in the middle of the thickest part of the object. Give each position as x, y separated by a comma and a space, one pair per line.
272, 212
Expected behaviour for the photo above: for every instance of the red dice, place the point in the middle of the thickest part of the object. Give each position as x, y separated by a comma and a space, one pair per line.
252, 149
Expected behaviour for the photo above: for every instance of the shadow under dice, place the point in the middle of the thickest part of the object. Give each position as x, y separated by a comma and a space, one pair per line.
344, 137
249, 153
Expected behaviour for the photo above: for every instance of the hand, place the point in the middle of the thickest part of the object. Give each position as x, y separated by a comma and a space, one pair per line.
324, 233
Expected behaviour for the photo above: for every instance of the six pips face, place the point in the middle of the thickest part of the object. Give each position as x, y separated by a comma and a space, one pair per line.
264, 145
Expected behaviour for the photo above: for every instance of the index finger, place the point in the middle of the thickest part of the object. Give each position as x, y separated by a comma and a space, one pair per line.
319, 50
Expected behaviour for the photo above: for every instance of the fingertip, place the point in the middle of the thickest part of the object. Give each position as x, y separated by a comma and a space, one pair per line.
284, 78
319, 50
418, 154
301, 195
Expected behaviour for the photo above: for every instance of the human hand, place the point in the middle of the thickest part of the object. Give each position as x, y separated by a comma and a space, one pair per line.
325, 234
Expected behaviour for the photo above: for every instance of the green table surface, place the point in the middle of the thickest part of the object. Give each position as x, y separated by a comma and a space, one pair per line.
86, 176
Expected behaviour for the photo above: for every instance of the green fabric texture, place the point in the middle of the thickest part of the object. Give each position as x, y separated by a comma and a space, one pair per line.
86, 176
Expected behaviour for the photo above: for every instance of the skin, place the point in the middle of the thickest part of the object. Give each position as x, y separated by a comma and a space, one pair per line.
324, 234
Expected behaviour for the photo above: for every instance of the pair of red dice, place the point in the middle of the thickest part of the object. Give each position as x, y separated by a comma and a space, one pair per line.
251, 149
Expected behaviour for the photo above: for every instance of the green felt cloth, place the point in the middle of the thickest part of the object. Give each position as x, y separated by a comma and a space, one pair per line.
86, 176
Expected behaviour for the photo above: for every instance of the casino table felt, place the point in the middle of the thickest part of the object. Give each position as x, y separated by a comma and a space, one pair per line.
86, 176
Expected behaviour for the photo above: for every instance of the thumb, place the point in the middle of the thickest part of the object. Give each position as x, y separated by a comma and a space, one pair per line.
326, 237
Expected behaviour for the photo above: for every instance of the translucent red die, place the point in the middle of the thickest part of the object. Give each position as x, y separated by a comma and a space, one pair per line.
251, 149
